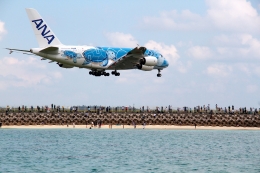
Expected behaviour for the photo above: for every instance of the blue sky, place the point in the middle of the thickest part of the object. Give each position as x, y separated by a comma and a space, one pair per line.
213, 48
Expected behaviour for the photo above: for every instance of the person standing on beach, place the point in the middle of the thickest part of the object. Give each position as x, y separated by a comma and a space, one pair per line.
195, 125
99, 124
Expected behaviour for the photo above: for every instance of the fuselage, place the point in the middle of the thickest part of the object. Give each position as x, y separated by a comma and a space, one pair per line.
91, 57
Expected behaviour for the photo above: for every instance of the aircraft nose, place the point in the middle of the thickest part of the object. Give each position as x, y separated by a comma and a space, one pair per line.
166, 63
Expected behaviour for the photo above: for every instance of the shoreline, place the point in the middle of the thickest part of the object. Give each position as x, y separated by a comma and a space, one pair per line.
159, 127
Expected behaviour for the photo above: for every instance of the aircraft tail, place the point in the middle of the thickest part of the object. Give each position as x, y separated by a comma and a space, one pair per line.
44, 35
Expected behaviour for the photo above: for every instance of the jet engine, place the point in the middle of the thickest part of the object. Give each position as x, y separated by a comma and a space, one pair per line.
65, 66
148, 61
144, 67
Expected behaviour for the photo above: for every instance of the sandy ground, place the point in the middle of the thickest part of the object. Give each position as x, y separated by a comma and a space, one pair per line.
170, 127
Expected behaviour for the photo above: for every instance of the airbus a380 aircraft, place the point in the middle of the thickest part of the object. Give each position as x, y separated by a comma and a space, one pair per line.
97, 59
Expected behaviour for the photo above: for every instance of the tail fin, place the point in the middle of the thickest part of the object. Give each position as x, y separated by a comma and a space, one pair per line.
42, 31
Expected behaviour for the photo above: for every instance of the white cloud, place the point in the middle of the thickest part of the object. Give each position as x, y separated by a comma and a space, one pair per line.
121, 40
244, 68
219, 70
2, 29
251, 88
233, 15
237, 45
200, 52
168, 51
250, 69
185, 20
253, 45
24, 73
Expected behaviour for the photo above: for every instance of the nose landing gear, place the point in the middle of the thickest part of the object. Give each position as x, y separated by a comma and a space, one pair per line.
159, 74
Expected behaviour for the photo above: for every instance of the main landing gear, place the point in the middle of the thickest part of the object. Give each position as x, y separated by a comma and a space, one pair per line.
98, 73
159, 74
115, 73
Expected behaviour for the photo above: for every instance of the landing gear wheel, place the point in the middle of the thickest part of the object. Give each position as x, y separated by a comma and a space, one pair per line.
98, 73
90, 73
159, 74
115, 73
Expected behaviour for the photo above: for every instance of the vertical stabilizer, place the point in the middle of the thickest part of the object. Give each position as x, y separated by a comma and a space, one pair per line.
44, 35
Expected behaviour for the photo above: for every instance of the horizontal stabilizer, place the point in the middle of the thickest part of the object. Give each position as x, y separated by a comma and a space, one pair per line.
17, 50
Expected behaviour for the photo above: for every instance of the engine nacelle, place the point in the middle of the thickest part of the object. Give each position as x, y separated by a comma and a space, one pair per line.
65, 66
144, 67
149, 61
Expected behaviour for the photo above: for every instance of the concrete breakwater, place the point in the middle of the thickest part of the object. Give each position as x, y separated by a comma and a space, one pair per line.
57, 118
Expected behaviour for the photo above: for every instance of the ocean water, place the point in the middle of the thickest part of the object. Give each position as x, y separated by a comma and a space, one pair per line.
129, 150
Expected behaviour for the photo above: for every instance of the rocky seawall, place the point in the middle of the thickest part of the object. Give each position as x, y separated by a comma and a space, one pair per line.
200, 119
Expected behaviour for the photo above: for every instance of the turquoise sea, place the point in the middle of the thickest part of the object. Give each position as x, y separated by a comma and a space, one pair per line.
129, 150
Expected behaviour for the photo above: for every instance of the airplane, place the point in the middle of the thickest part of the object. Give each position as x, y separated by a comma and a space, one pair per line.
96, 59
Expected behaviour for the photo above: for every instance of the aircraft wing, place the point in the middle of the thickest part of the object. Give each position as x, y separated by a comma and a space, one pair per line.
130, 60
50, 50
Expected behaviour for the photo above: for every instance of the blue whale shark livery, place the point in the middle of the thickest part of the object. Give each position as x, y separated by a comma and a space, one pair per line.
97, 59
